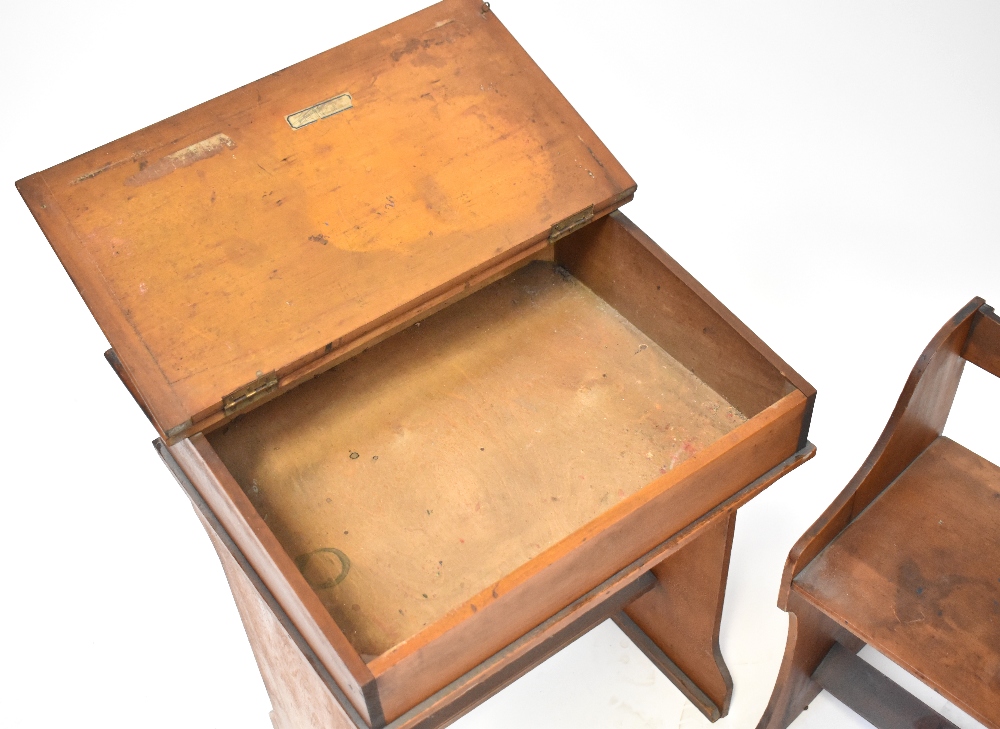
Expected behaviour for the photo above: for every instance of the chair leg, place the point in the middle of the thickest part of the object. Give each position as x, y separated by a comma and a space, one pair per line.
676, 624
811, 634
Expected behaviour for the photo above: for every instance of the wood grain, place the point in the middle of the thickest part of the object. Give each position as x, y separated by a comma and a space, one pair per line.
682, 614
811, 634
917, 575
633, 274
221, 243
446, 457
906, 557
299, 698
222, 495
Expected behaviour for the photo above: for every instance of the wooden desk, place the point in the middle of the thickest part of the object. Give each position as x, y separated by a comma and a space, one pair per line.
444, 406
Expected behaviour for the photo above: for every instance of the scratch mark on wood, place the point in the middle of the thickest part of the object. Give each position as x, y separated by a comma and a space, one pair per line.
109, 166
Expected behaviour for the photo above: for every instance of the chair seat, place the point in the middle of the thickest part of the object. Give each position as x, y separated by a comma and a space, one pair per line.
917, 575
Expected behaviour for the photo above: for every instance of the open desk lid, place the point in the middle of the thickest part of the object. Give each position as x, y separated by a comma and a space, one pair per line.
231, 250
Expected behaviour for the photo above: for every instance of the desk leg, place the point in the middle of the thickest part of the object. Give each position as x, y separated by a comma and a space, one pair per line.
811, 634
676, 624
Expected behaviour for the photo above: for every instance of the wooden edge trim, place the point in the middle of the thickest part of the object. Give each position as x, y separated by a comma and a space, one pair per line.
212, 521
126, 378
844, 509
713, 303
511, 582
667, 667
982, 348
720, 660
872, 695
196, 458
852, 631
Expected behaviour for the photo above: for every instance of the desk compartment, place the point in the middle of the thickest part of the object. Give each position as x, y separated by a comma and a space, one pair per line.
444, 491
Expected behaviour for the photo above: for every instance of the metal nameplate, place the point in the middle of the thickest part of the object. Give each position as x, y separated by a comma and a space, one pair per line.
320, 111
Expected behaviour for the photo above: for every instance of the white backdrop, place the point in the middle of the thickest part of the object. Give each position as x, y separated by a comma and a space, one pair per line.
831, 171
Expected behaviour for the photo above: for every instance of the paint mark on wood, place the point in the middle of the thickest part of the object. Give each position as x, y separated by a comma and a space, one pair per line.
182, 158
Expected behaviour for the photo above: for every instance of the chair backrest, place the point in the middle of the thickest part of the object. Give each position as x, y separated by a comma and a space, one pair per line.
972, 335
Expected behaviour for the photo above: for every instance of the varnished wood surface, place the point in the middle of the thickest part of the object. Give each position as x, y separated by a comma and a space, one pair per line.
221, 244
443, 459
918, 576
906, 556
466, 636
681, 617
200, 464
299, 698
811, 634
624, 266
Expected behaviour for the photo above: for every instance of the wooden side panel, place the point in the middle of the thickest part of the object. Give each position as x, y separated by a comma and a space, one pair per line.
983, 347
681, 615
628, 270
299, 697
446, 650
811, 634
238, 517
918, 418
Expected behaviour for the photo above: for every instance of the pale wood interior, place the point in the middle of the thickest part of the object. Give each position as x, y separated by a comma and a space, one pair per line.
415, 475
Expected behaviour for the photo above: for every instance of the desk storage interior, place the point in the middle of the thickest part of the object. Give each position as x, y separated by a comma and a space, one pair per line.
427, 386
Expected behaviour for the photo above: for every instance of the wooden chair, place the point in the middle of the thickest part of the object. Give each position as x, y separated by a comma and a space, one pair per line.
907, 559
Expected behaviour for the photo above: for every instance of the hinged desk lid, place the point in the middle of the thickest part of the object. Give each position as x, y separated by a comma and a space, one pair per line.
230, 248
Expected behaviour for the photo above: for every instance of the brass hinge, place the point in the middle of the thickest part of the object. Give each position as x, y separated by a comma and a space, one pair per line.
573, 222
250, 392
